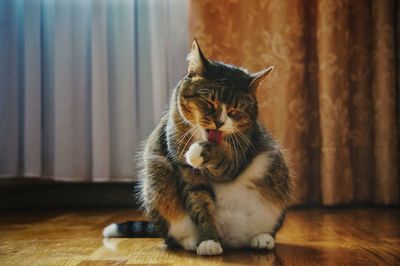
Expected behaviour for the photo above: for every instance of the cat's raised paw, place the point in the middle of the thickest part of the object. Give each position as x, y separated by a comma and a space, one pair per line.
193, 155
209, 248
263, 241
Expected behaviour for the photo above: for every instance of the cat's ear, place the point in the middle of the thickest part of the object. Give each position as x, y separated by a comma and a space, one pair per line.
258, 79
197, 62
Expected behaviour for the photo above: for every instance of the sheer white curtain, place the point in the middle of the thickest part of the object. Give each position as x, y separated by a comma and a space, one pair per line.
83, 82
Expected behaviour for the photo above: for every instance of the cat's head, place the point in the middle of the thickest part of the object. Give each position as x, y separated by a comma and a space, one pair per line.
218, 96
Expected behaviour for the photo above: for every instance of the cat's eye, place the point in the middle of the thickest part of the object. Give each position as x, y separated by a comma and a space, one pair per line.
235, 114
211, 109
190, 96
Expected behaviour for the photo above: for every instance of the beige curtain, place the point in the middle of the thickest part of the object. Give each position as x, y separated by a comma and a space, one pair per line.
331, 100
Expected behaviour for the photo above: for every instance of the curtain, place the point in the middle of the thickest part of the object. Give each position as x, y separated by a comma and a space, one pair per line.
82, 83
331, 101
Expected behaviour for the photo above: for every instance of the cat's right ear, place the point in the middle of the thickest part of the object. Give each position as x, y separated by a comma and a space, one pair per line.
197, 62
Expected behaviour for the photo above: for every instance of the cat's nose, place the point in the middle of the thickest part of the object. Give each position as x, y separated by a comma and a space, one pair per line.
219, 123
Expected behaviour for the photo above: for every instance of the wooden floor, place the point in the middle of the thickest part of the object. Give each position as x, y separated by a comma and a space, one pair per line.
308, 237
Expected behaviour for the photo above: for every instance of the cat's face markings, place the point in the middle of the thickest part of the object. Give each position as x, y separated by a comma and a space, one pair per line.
211, 109
214, 95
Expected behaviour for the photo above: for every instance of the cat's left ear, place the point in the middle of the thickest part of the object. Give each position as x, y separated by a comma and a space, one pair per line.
197, 61
258, 79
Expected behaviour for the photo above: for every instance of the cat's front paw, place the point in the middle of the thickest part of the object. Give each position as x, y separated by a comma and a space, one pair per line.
262, 241
209, 248
194, 155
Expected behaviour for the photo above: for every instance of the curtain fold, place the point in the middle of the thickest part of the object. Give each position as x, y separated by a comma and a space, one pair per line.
100, 106
331, 100
333, 44
76, 84
384, 102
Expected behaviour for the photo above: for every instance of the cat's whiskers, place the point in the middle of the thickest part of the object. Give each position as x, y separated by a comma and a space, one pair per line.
245, 139
245, 147
181, 122
234, 153
188, 135
188, 141
183, 139
240, 146
178, 143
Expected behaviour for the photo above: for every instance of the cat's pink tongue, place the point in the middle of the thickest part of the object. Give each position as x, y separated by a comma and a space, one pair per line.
214, 136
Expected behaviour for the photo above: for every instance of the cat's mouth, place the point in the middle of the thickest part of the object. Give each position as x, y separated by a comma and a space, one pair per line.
214, 135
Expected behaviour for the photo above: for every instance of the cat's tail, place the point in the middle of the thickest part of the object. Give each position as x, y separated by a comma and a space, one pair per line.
131, 229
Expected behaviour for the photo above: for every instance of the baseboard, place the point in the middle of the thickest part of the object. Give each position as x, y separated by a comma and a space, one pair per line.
22, 193
32, 193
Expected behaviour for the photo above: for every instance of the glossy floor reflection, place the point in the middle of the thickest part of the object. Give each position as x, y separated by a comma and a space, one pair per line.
308, 237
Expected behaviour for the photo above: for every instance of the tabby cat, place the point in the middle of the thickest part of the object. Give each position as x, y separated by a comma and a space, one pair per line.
212, 176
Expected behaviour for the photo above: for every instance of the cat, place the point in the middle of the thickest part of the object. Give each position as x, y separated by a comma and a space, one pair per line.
212, 176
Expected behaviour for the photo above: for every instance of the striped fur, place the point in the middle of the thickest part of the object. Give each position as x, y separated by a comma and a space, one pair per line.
194, 190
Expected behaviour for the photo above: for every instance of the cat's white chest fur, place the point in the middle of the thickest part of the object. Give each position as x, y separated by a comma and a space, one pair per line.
241, 211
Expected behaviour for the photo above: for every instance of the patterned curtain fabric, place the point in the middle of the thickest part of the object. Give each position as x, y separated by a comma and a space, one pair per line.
331, 100
82, 82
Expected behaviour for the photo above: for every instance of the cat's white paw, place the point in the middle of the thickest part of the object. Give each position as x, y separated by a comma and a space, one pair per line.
111, 231
209, 248
189, 243
263, 241
193, 155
